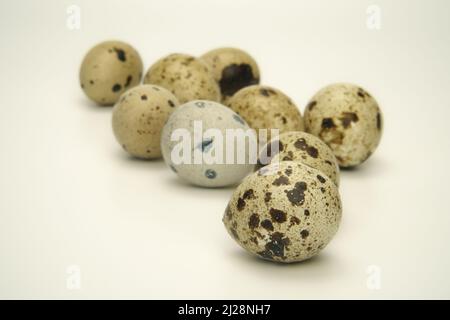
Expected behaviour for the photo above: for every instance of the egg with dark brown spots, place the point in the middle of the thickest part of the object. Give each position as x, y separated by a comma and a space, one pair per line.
109, 69
264, 107
348, 119
233, 69
284, 212
138, 119
187, 77
303, 147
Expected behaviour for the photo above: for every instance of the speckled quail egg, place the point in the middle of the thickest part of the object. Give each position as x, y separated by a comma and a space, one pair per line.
109, 69
264, 107
233, 69
303, 147
187, 77
284, 212
138, 119
348, 119
196, 147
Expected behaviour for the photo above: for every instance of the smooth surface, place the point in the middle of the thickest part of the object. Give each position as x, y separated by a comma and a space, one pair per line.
70, 196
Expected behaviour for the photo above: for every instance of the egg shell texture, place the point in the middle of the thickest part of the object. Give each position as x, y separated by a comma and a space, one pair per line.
264, 107
138, 119
187, 77
233, 69
285, 212
348, 119
303, 147
212, 115
109, 69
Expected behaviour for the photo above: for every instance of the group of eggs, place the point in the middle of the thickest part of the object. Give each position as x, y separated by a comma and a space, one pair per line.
287, 210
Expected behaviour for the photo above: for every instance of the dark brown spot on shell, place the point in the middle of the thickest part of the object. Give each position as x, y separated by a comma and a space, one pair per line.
267, 224
301, 144
236, 76
294, 220
321, 179
117, 87
304, 234
297, 195
327, 123
253, 221
277, 215
248, 194
307, 212
129, 79
347, 118
276, 246
311, 105
143, 97
240, 204
313, 152
282, 180
378, 121
234, 233
267, 197
170, 102
120, 54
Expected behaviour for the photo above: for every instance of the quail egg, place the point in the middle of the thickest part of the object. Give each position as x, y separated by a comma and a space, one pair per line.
109, 69
207, 144
303, 147
233, 69
284, 212
187, 77
264, 107
348, 119
138, 119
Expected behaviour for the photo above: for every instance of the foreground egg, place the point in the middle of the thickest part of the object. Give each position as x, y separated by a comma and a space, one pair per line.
233, 69
285, 212
194, 144
109, 69
187, 77
264, 107
348, 119
138, 119
303, 147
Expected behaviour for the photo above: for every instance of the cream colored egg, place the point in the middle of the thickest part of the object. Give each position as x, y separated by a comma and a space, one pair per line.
264, 107
187, 77
284, 212
348, 119
109, 69
138, 119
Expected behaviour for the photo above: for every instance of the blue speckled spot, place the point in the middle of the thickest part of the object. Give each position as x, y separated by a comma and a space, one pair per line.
210, 174
200, 104
238, 119
206, 144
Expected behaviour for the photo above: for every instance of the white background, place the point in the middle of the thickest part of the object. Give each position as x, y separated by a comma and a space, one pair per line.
70, 196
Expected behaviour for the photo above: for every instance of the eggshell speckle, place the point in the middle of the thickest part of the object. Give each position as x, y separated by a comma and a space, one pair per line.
138, 119
187, 77
211, 115
285, 212
303, 147
264, 107
109, 69
348, 119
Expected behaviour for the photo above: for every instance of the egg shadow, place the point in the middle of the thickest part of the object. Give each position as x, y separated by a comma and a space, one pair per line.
320, 266
90, 105
371, 166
